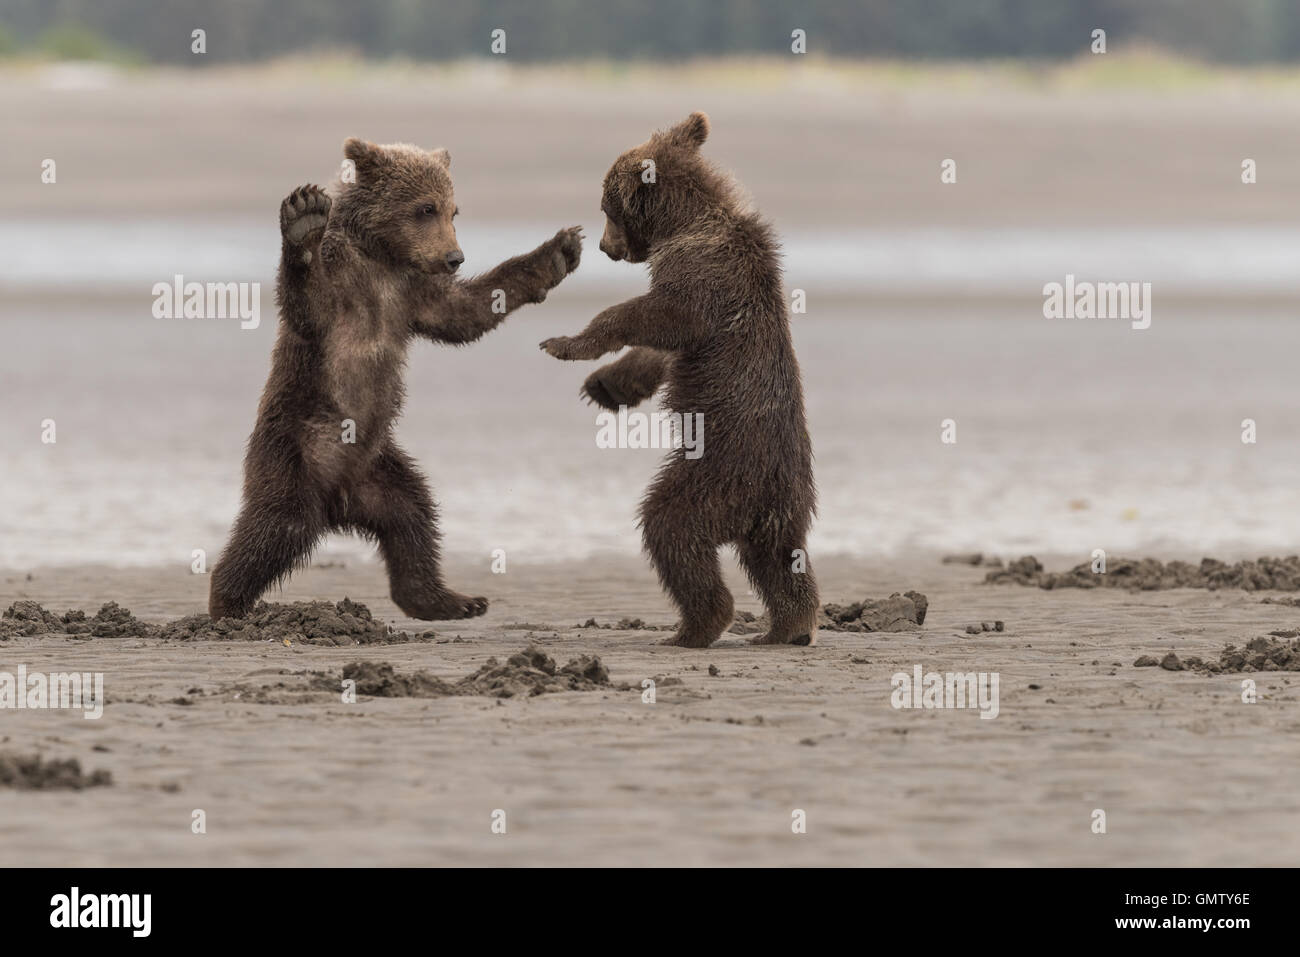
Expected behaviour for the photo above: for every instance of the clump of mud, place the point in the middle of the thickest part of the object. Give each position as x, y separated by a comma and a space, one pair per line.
747, 623
113, 621
1148, 574
309, 623
898, 612
533, 672
27, 618
29, 773
379, 679
975, 559
526, 674
302, 623
627, 624
1278, 651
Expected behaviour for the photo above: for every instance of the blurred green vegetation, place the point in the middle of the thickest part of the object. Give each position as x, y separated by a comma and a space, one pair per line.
1224, 31
74, 41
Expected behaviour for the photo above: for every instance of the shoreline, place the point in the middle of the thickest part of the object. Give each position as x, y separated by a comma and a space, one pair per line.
602, 778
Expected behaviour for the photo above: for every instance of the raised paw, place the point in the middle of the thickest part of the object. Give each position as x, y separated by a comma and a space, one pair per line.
442, 606
560, 255
303, 216
569, 243
572, 347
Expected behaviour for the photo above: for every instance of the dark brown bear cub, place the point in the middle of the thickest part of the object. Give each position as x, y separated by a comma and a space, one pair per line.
359, 278
714, 326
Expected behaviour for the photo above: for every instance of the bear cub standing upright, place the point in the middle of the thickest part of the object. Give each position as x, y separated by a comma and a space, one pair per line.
715, 327
360, 276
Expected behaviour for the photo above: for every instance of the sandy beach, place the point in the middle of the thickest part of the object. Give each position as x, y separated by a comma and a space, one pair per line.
925, 303
709, 774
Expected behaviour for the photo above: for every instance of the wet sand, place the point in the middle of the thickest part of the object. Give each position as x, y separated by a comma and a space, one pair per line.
708, 774
817, 148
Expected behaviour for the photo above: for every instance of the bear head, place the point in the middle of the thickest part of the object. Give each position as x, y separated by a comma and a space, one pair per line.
399, 206
656, 190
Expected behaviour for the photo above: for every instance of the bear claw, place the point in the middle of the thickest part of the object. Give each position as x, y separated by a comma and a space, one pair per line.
444, 606
303, 215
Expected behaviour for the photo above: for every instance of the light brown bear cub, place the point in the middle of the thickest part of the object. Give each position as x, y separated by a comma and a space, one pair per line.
714, 326
359, 278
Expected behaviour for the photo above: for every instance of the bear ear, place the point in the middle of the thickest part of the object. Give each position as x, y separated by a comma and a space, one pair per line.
691, 132
366, 156
442, 156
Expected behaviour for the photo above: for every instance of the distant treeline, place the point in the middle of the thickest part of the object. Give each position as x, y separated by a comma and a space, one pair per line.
1239, 31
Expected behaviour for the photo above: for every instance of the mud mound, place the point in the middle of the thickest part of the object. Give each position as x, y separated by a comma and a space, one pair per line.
526, 674
976, 559
30, 773
113, 621
379, 679
533, 672
1278, 651
627, 624
898, 612
303, 622
1148, 574
26, 618
310, 623
747, 623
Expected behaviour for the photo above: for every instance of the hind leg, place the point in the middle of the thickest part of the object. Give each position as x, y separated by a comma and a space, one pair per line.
787, 588
393, 506
685, 556
270, 539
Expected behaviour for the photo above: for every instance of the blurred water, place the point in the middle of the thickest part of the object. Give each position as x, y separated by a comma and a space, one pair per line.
1140, 430
42, 254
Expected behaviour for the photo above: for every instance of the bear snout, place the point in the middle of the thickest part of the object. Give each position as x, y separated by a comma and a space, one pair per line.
614, 252
453, 260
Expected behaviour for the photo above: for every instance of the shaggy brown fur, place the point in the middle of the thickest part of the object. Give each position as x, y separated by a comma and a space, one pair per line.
359, 278
714, 326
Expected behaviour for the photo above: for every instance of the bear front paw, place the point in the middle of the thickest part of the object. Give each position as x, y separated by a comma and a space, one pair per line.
572, 347
565, 252
303, 216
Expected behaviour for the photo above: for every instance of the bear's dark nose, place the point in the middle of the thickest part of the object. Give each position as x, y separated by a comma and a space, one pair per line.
454, 259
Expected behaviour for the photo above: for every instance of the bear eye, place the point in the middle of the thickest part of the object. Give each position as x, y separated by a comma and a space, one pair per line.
428, 209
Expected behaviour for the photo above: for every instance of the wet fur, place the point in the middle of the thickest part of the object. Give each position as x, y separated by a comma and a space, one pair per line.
713, 328
359, 279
